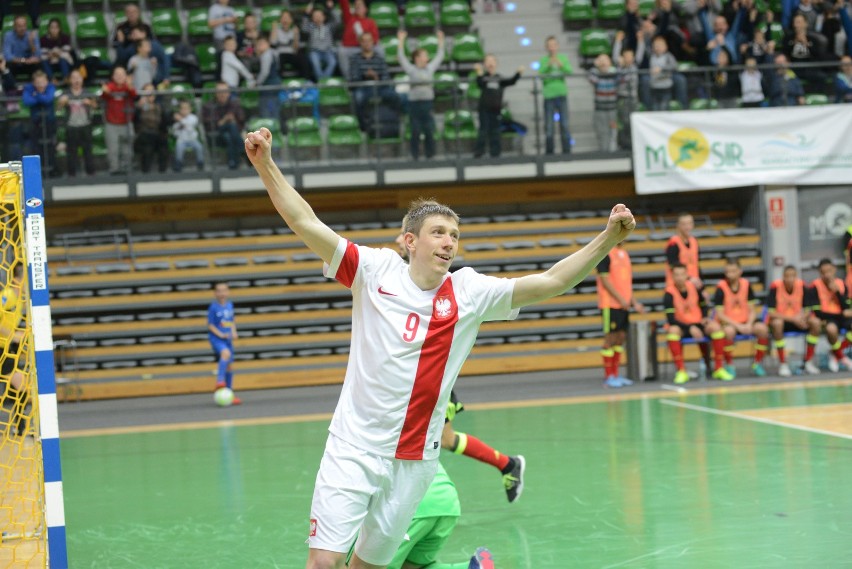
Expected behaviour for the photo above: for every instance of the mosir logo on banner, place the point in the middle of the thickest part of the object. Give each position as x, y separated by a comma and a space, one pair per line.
689, 149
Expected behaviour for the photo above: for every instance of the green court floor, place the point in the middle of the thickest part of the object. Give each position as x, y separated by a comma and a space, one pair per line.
661, 481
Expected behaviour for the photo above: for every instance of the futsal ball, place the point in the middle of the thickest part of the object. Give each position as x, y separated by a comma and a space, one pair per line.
223, 397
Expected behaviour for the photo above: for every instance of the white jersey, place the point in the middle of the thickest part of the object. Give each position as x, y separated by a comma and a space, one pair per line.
408, 346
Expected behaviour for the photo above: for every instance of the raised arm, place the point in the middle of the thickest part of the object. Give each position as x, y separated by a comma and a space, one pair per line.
295, 211
568, 272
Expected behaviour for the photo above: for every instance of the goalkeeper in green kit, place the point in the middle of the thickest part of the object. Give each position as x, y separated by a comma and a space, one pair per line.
433, 523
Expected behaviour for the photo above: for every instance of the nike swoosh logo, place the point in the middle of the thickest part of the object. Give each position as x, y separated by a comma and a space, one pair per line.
383, 291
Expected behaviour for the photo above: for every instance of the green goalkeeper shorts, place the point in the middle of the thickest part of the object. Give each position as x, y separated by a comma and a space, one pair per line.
427, 537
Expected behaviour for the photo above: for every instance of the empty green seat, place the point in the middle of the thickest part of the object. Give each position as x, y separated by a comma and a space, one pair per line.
594, 42
816, 99
610, 9
577, 13
467, 49
196, 23
455, 14
91, 29
268, 16
703, 104
333, 94
206, 58
344, 137
385, 14
389, 44
271, 124
303, 138
420, 14
646, 7
166, 24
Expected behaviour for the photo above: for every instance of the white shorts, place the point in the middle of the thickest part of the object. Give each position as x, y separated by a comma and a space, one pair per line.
357, 490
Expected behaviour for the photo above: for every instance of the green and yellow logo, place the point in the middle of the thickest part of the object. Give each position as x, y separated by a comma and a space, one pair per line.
688, 148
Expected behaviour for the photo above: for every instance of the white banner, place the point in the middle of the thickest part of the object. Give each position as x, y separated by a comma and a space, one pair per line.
700, 150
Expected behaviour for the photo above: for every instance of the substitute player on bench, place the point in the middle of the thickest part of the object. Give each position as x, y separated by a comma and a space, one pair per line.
788, 313
833, 309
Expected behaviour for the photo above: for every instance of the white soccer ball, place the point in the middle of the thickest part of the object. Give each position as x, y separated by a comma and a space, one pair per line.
223, 397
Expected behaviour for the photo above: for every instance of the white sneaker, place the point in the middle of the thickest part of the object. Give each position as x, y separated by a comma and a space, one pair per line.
811, 368
784, 370
833, 364
846, 362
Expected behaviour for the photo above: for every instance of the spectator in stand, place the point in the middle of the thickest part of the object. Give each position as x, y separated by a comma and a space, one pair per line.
421, 96
7, 88
39, 96
665, 17
692, 16
846, 23
723, 35
142, 67
553, 68
318, 28
629, 25
355, 23
832, 307
128, 34
32, 7
224, 119
662, 66
57, 55
789, 299
812, 14
726, 84
758, 48
628, 86
78, 129
232, 67
843, 81
369, 66
285, 39
785, 89
185, 131
268, 77
803, 46
152, 127
604, 79
490, 105
222, 20
21, 48
751, 85
119, 96
247, 42
680, 91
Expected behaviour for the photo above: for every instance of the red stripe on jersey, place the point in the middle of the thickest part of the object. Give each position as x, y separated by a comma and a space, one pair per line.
348, 265
430, 372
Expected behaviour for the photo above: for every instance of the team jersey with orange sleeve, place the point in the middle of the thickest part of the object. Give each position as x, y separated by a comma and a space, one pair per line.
684, 253
618, 268
735, 304
684, 307
828, 303
784, 303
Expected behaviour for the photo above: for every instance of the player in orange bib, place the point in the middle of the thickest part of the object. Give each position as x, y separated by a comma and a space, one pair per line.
736, 313
833, 309
615, 299
682, 248
788, 301
686, 313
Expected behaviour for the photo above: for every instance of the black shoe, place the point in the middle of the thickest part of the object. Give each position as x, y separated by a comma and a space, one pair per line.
513, 480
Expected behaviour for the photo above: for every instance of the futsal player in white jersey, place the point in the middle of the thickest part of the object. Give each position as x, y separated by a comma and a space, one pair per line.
413, 325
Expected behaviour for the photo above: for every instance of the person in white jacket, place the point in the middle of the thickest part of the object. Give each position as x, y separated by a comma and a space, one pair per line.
232, 67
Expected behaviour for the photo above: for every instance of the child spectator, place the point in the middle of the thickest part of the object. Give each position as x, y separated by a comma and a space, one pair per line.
758, 48
185, 130
751, 84
128, 34
843, 81
628, 86
56, 52
319, 34
268, 77
491, 104
222, 20
247, 42
662, 65
355, 23
151, 128
726, 85
39, 97
285, 39
421, 96
78, 129
553, 68
232, 67
119, 95
604, 77
142, 67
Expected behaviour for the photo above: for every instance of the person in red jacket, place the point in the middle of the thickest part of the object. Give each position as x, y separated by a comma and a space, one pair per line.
119, 95
355, 23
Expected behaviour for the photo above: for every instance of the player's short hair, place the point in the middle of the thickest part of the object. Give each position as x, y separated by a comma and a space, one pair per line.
422, 208
825, 261
732, 261
790, 267
217, 283
678, 266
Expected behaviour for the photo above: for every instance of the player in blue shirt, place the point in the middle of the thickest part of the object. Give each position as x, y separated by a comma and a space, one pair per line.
222, 332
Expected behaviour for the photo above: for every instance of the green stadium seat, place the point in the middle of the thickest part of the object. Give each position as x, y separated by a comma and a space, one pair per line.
206, 58
577, 14
344, 137
304, 141
610, 11
420, 16
181, 91
269, 15
208, 91
459, 132
272, 125
389, 44
646, 7
473, 90
816, 99
166, 25
386, 15
334, 97
429, 43
594, 42
467, 49
446, 90
703, 104
675, 106
91, 29
774, 32
196, 23
44, 20
455, 17
249, 100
